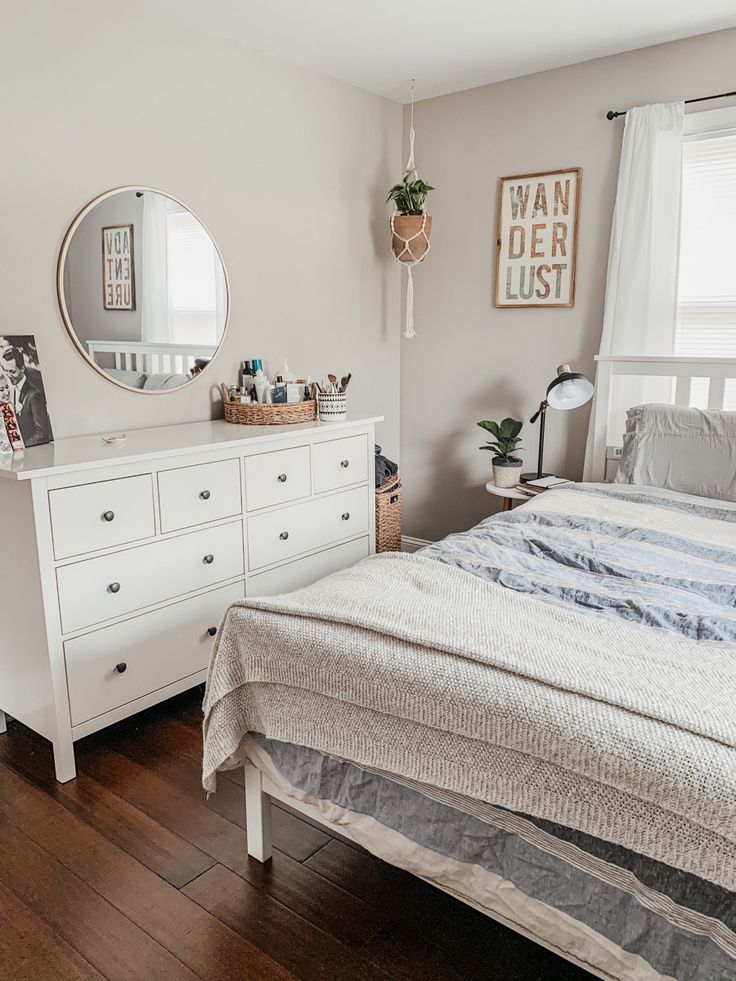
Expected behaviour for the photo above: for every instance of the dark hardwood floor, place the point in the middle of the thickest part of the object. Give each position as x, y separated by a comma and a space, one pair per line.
128, 873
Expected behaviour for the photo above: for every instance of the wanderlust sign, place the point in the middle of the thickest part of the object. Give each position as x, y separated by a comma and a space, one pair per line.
536, 240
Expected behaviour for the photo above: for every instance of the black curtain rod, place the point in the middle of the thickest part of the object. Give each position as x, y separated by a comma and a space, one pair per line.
704, 98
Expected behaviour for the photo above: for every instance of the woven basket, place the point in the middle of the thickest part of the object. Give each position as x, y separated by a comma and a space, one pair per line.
388, 515
256, 414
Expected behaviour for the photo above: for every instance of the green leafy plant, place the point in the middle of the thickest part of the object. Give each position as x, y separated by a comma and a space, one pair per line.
506, 441
409, 196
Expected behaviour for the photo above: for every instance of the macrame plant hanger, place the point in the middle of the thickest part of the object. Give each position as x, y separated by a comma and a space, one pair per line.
415, 247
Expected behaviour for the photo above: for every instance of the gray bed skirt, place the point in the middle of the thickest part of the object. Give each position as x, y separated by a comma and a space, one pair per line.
620, 914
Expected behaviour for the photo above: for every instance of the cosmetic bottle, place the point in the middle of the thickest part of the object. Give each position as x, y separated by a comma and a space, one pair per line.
246, 377
286, 373
261, 385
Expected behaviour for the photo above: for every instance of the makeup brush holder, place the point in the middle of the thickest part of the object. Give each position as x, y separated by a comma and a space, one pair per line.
332, 408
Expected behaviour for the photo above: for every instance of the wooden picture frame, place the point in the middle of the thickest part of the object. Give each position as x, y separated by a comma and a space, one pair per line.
118, 268
537, 218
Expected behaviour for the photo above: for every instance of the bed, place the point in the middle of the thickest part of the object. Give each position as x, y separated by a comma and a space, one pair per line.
161, 358
536, 715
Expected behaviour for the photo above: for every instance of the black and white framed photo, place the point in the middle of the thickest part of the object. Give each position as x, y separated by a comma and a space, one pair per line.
21, 387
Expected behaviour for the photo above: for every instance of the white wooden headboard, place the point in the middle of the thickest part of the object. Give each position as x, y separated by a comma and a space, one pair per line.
150, 358
683, 371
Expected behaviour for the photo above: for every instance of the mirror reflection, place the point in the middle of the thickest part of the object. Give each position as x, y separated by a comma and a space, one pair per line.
143, 290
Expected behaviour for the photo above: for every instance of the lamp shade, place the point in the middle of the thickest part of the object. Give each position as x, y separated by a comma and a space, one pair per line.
569, 390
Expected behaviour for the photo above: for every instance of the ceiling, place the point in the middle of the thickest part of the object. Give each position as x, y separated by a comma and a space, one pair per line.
448, 45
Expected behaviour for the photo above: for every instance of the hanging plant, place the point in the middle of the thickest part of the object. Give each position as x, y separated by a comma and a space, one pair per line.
410, 223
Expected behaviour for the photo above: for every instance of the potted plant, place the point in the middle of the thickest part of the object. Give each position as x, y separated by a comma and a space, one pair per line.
410, 224
506, 466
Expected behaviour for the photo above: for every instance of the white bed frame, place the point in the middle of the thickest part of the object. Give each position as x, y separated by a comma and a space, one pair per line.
151, 358
682, 370
260, 789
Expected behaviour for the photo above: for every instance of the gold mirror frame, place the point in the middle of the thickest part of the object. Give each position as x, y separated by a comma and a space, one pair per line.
66, 317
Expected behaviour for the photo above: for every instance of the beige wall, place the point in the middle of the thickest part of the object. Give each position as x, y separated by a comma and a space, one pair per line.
83, 275
288, 169
471, 361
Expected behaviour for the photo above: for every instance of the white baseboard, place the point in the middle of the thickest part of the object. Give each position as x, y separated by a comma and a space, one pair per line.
409, 544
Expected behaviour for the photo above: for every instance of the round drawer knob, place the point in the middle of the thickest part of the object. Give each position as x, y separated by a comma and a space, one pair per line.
108, 516
114, 587
344, 464
281, 478
121, 668
205, 495
284, 535
212, 631
346, 516
208, 559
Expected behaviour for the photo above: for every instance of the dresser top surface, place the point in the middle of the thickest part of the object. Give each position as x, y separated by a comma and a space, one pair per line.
79, 453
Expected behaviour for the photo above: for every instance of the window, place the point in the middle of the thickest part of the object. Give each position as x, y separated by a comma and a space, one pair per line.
192, 265
706, 302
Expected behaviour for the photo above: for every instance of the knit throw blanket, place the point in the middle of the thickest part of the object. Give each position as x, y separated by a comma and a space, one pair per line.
422, 670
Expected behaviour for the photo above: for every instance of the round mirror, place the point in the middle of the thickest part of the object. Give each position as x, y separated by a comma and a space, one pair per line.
143, 289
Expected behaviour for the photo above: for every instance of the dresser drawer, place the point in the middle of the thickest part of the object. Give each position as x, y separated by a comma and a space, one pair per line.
302, 572
194, 495
290, 531
113, 585
277, 478
340, 462
153, 650
101, 515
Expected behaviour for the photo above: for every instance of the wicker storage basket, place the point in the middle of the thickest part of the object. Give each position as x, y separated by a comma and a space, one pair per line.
256, 414
388, 515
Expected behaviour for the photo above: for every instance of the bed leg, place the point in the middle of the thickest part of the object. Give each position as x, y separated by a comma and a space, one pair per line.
257, 815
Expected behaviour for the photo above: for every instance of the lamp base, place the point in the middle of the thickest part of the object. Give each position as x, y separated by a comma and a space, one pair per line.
526, 477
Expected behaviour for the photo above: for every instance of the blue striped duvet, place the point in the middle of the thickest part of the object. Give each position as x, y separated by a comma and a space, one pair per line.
652, 557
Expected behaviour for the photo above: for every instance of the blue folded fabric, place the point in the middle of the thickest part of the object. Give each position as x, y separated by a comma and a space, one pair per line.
385, 468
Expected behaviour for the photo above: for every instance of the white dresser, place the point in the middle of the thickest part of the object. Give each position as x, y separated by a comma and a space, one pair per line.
118, 562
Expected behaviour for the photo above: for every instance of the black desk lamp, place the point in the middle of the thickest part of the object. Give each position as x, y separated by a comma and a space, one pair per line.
569, 390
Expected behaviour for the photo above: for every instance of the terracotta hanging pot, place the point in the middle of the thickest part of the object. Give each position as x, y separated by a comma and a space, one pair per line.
410, 236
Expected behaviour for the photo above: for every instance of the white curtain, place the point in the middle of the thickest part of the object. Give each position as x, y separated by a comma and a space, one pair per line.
641, 285
155, 320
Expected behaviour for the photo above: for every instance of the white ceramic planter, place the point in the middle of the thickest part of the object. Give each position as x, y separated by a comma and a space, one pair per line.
506, 474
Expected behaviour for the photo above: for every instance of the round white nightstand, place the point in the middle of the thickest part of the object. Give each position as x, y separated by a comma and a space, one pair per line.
509, 494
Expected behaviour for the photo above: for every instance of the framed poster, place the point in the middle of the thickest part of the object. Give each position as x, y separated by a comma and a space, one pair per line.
23, 409
118, 268
537, 239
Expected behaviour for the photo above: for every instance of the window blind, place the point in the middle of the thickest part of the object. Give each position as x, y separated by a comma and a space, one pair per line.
191, 263
706, 306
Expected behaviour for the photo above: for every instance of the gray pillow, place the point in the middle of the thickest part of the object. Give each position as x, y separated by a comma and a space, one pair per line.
165, 380
687, 450
135, 379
